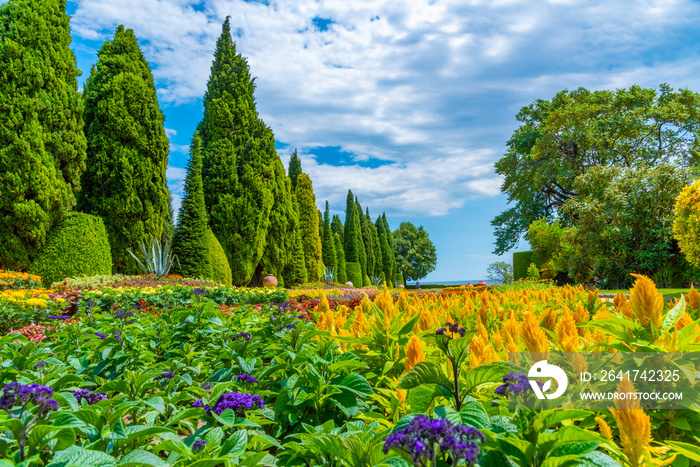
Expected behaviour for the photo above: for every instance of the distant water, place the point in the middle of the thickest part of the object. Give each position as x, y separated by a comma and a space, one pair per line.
473, 281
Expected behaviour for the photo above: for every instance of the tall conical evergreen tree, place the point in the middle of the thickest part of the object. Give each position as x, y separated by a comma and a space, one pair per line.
248, 203
378, 266
354, 250
127, 154
341, 275
295, 271
337, 226
330, 258
308, 226
294, 169
191, 239
364, 253
388, 261
42, 145
169, 226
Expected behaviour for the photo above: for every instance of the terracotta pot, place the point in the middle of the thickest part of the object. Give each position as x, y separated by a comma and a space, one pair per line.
481, 284
270, 281
470, 284
349, 284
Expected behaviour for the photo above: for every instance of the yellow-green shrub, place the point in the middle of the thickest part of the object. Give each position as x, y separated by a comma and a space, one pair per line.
221, 271
686, 225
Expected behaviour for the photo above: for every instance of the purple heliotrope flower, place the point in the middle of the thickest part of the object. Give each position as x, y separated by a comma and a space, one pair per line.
165, 377
90, 397
20, 394
100, 335
423, 434
514, 384
123, 314
198, 445
242, 335
237, 401
286, 327
246, 378
40, 364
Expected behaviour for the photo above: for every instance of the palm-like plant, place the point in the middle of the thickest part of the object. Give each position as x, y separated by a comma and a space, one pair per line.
158, 256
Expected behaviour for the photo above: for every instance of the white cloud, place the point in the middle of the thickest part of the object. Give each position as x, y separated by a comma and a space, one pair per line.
432, 87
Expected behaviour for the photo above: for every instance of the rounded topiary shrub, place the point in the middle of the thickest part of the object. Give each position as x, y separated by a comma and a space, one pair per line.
686, 225
353, 272
76, 246
221, 271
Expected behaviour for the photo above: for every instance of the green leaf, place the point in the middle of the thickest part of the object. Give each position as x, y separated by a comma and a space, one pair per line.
156, 403
548, 418
443, 411
424, 373
487, 373
420, 397
227, 417
139, 458
357, 384
597, 459
674, 314
76, 456
495, 459
518, 448
473, 414
690, 451
577, 448
255, 459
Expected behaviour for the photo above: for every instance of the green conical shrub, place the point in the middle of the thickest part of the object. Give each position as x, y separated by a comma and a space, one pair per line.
308, 227
341, 274
77, 246
220, 269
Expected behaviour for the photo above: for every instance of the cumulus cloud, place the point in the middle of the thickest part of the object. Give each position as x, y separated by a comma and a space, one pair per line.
430, 87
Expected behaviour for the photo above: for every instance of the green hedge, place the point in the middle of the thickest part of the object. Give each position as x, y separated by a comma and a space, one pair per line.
398, 278
353, 271
521, 261
77, 246
221, 271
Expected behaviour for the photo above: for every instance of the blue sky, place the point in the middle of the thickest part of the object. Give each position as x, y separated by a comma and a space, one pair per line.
407, 102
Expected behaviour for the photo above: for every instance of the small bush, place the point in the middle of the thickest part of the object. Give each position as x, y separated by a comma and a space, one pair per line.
533, 272
521, 262
77, 246
10, 280
353, 271
398, 279
686, 225
221, 271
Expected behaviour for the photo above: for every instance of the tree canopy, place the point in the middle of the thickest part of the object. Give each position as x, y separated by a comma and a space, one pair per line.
42, 145
414, 251
562, 138
127, 154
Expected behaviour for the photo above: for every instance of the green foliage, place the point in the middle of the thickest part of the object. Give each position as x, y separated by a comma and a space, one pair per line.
295, 272
378, 261
562, 138
77, 246
366, 281
341, 275
398, 279
157, 257
353, 245
533, 272
42, 145
353, 272
127, 149
500, 272
192, 240
328, 275
245, 188
15, 315
414, 252
337, 227
553, 247
387, 252
308, 227
294, 169
686, 224
330, 257
521, 262
625, 219
220, 269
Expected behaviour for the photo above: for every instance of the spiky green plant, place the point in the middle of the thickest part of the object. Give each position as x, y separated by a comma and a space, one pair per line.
157, 257
328, 275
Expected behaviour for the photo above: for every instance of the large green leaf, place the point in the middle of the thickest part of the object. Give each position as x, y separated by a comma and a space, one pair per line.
674, 314
76, 456
420, 397
138, 458
236, 444
424, 373
357, 384
444, 411
473, 414
690, 451
487, 373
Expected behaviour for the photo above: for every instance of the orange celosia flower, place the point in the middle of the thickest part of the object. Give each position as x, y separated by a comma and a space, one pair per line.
533, 336
635, 429
414, 352
692, 298
646, 302
567, 333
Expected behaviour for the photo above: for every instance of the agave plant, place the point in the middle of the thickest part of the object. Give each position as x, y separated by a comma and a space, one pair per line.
157, 257
376, 280
328, 275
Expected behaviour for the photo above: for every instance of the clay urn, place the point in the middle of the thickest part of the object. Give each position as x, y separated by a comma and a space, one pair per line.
469, 284
270, 281
349, 284
481, 284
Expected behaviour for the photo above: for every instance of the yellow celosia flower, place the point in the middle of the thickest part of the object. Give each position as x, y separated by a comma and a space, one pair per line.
36, 302
567, 333
646, 302
692, 298
414, 352
605, 430
635, 429
533, 336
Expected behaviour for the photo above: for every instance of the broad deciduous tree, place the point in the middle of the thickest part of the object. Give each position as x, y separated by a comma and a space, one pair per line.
414, 251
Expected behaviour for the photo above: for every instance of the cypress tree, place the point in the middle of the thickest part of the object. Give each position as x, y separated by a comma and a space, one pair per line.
42, 145
387, 252
191, 241
294, 169
243, 191
353, 247
295, 271
330, 257
364, 253
337, 226
169, 227
308, 226
341, 275
392, 248
376, 248
127, 154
